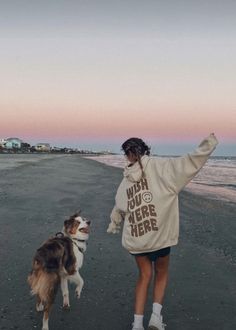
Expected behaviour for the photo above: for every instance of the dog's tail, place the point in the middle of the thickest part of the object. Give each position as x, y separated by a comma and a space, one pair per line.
43, 284
45, 275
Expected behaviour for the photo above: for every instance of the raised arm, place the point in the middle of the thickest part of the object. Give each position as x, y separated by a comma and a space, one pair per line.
181, 170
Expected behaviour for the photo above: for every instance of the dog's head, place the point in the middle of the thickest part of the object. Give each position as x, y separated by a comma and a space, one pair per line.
77, 227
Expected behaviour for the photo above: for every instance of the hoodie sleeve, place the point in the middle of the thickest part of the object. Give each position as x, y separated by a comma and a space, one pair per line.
181, 170
116, 219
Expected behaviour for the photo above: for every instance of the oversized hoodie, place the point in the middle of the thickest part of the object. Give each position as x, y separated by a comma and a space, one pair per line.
148, 203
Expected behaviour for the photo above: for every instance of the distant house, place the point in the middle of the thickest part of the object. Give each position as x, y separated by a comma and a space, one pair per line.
44, 147
13, 143
56, 149
3, 143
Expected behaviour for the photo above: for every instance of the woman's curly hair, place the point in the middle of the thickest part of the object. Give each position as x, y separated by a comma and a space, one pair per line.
136, 147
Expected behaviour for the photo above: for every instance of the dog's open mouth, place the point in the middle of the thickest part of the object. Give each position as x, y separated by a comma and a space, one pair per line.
84, 230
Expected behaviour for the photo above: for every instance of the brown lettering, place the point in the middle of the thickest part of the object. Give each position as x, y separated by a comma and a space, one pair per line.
147, 226
140, 229
152, 210
138, 199
137, 187
134, 230
154, 224
144, 210
138, 214
131, 218
130, 192
144, 184
143, 227
131, 204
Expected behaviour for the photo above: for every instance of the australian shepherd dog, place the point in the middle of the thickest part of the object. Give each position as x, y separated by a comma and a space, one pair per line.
57, 261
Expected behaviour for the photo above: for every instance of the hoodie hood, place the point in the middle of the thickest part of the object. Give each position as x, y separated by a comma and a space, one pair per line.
134, 173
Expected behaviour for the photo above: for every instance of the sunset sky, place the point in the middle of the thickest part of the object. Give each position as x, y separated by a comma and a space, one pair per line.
93, 73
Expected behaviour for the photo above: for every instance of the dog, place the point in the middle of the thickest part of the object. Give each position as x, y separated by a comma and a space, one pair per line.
57, 261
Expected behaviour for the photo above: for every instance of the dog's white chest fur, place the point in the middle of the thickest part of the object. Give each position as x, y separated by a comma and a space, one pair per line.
79, 256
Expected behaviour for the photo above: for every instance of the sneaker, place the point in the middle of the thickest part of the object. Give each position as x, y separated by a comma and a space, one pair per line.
137, 328
156, 323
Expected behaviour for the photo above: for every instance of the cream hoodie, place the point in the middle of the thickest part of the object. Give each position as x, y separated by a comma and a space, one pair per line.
149, 204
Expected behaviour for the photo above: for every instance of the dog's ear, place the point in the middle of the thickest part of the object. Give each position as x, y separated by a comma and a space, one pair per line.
67, 223
77, 213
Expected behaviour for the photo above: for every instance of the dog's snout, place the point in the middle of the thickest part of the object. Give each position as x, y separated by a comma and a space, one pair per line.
88, 222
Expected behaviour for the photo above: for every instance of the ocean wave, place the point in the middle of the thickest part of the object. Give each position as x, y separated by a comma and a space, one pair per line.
214, 180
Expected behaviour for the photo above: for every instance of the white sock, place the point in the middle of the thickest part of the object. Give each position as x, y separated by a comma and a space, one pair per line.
156, 308
138, 320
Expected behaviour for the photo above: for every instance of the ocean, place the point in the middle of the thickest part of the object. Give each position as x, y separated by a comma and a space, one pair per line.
216, 180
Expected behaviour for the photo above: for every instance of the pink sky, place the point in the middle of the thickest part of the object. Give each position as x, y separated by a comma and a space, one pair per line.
66, 76
168, 123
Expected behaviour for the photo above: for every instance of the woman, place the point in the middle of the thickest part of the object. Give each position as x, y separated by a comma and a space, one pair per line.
147, 200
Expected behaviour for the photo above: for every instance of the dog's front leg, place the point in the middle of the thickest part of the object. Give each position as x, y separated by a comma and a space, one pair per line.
65, 292
77, 279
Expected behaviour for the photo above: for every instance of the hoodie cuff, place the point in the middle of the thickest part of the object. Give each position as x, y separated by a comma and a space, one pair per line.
213, 140
116, 217
208, 144
113, 228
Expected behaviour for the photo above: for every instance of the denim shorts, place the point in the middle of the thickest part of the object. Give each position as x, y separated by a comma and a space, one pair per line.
154, 255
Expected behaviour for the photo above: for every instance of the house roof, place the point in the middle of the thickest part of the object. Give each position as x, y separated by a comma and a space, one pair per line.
43, 144
14, 139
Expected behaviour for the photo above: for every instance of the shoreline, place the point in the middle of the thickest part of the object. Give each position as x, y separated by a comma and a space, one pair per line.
211, 191
35, 200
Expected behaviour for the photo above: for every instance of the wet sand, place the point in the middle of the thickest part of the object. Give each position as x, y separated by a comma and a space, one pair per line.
34, 201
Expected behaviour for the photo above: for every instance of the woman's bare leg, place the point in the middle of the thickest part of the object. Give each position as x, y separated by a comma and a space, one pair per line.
145, 274
161, 279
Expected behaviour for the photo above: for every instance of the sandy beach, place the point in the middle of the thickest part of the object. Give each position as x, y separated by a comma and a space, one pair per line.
36, 198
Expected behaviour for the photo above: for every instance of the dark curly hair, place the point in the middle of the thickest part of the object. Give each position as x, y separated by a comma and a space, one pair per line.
136, 147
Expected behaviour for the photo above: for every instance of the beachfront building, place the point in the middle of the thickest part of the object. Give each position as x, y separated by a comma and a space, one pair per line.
43, 147
56, 149
13, 143
2, 143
